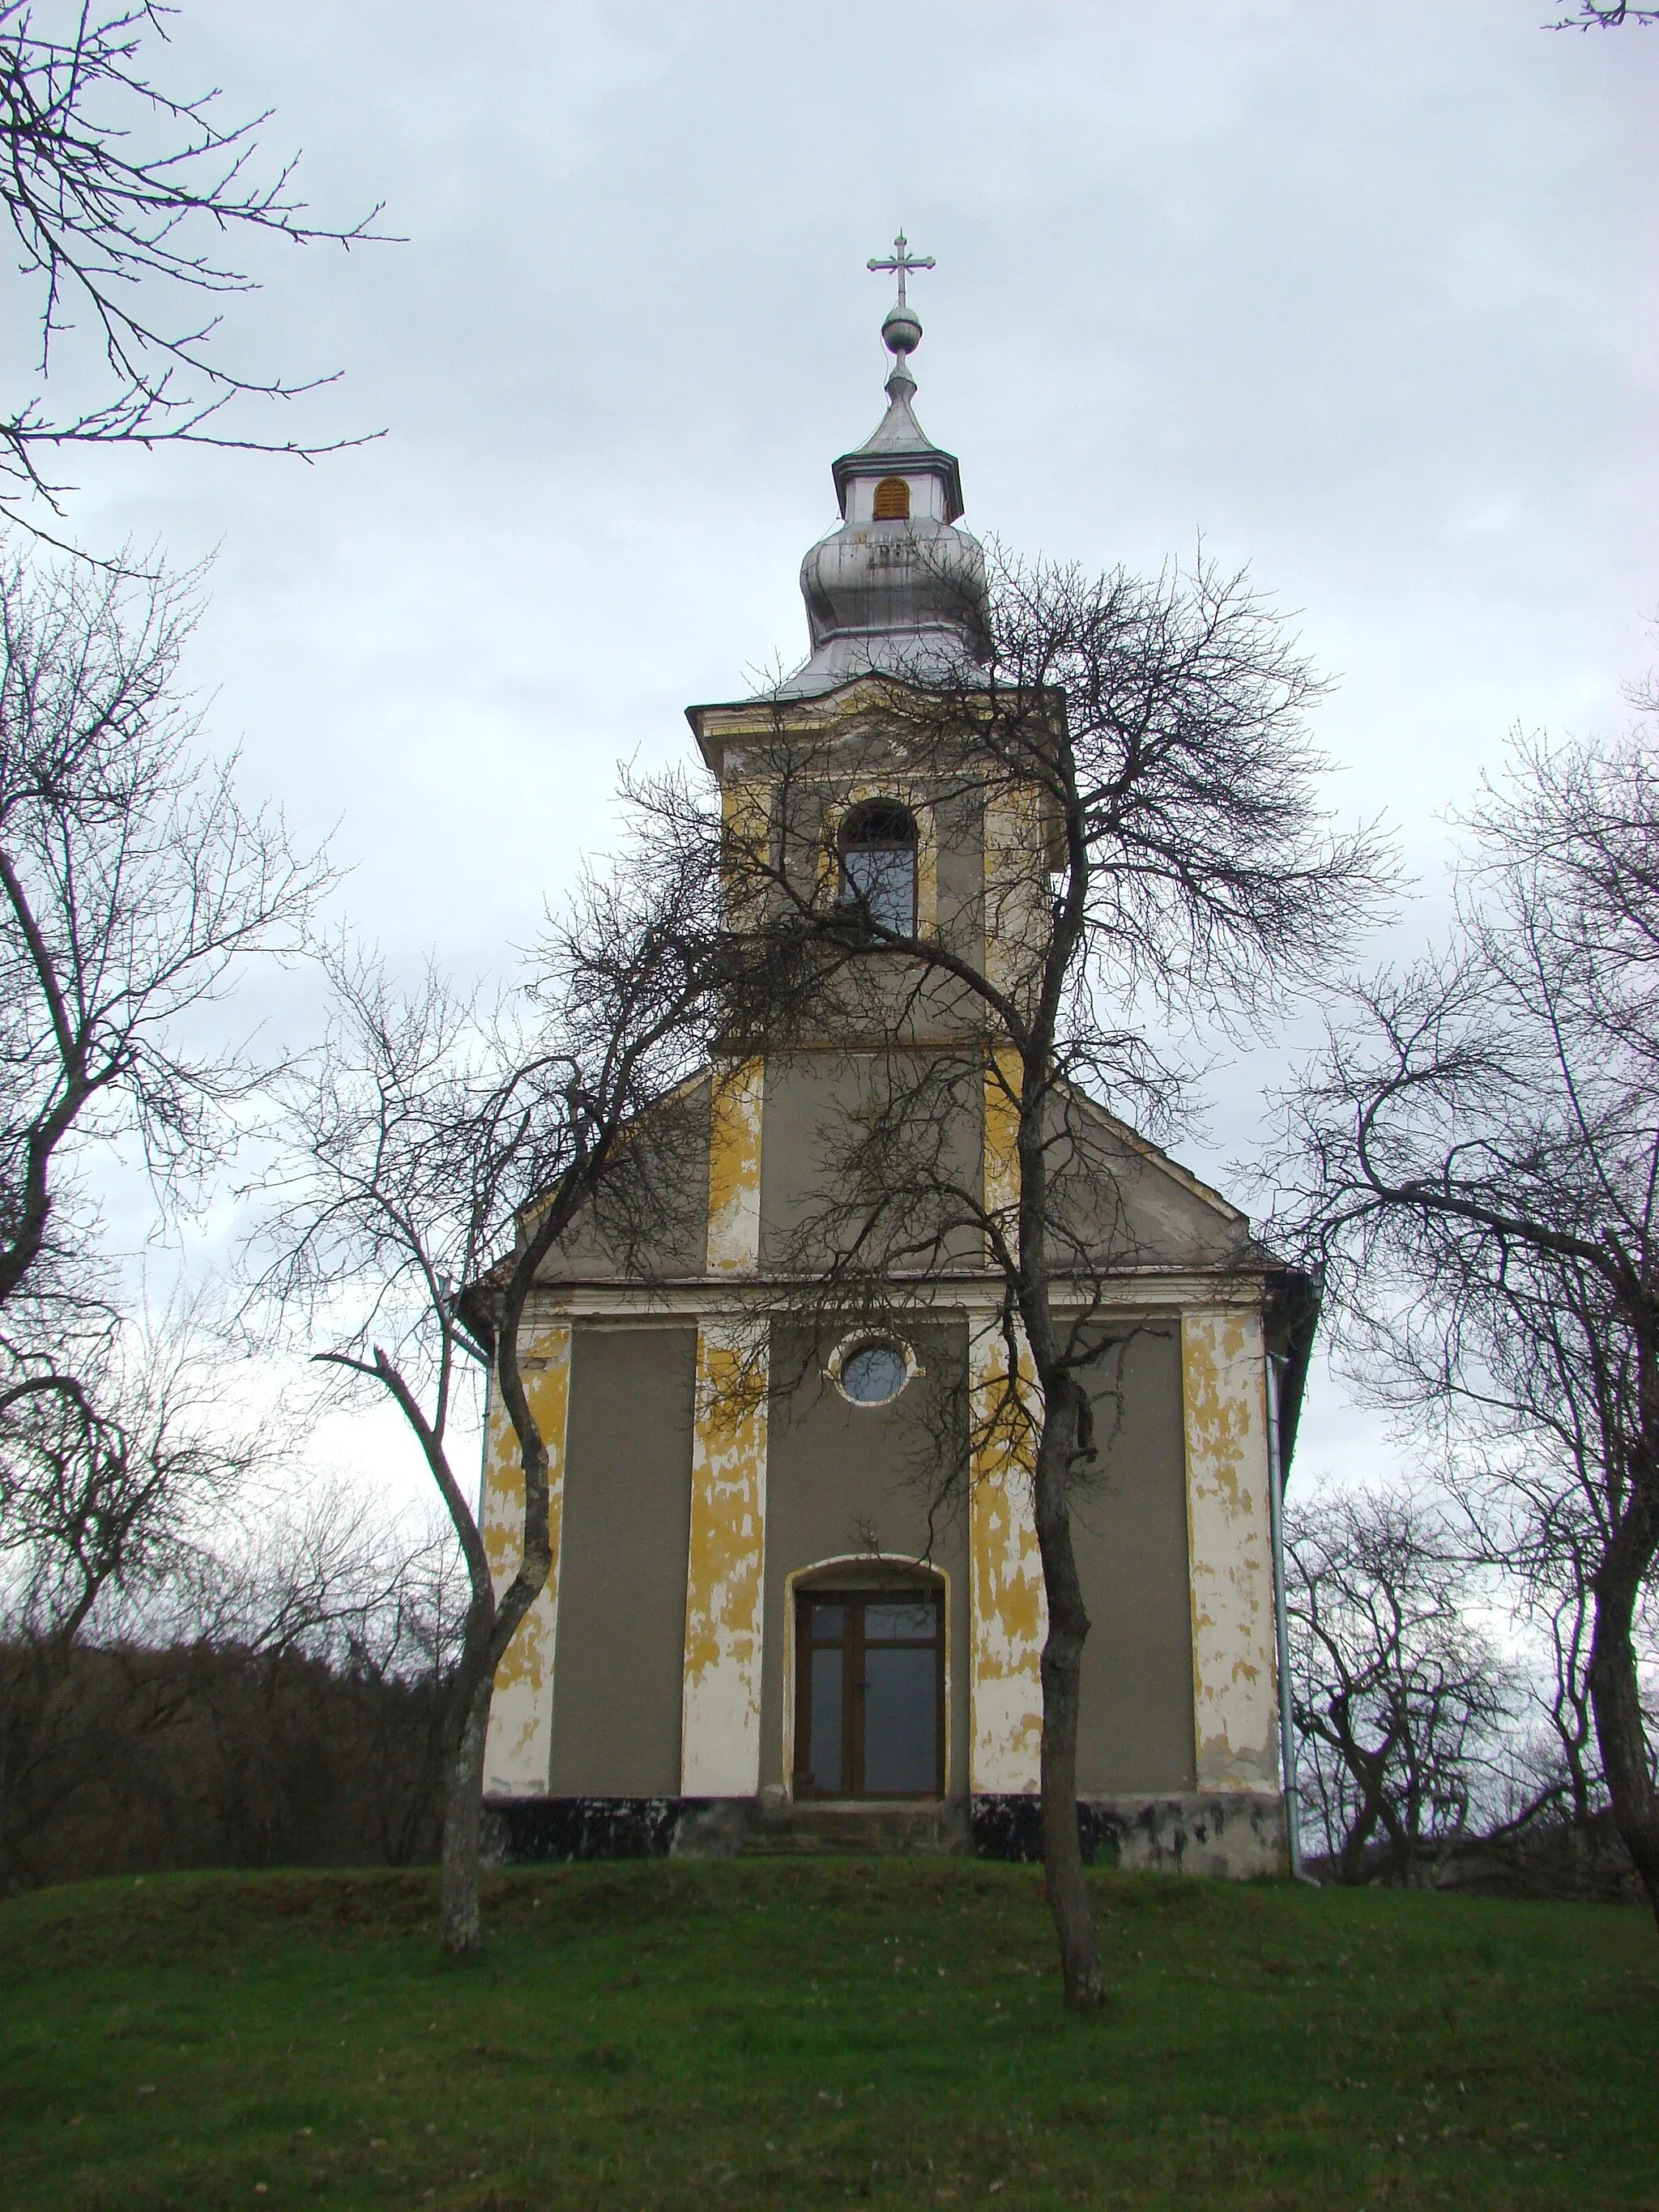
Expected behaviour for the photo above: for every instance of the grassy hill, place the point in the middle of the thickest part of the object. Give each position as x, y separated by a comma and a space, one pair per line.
810, 2035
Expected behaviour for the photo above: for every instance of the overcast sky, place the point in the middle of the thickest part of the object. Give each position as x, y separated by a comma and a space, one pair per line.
1363, 295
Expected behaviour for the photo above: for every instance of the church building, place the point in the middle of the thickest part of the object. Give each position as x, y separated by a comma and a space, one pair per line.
759, 1633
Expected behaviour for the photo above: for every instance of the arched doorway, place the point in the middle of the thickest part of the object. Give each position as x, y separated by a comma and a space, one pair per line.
870, 1691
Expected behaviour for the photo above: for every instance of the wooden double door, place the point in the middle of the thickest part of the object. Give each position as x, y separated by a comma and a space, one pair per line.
870, 1694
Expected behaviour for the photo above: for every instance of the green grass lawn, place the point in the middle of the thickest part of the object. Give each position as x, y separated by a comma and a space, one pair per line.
814, 2033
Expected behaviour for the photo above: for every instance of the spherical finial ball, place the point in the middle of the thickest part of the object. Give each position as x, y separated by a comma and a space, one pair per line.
903, 330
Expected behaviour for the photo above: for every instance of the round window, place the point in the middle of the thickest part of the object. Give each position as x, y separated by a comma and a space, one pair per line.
874, 1374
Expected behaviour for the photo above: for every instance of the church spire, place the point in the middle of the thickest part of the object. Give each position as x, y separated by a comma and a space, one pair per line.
902, 331
899, 445
897, 587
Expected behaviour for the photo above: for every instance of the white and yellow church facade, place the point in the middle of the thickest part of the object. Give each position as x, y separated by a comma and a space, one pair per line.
760, 1631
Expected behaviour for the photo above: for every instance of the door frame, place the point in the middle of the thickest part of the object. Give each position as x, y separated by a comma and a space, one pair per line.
861, 1581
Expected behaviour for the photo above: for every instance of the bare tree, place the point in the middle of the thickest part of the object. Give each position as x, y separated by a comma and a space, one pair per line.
1400, 1702
429, 1135
109, 1473
1604, 15
1477, 1157
118, 1463
134, 889
120, 193
1132, 755
1574, 1776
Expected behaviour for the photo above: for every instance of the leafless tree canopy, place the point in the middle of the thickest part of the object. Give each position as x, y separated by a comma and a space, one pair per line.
1478, 1156
121, 195
1604, 15
134, 890
1399, 1701
1132, 755
110, 1478
134, 886
441, 1148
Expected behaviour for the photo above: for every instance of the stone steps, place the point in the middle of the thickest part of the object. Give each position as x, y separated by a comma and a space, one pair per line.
924, 1828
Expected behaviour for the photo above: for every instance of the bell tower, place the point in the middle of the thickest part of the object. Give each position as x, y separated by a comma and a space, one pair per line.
896, 604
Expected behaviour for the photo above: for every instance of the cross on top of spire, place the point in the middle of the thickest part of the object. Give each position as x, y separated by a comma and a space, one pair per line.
901, 262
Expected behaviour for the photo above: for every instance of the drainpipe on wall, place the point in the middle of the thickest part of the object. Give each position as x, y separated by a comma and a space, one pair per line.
1276, 1516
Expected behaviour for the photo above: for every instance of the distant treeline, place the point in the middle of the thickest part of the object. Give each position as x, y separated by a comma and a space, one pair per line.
121, 1758
1554, 1858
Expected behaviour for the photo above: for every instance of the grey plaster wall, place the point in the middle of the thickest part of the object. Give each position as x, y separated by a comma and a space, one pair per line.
621, 1579
1116, 1202
810, 1100
1129, 1525
836, 1475
654, 1227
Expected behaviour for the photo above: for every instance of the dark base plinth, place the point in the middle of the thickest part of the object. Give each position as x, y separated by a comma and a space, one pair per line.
1228, 1836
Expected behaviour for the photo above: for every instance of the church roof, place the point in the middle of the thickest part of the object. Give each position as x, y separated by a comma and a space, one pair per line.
898, 444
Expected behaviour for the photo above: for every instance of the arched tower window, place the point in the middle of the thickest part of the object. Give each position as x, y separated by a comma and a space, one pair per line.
879, 863
892, 499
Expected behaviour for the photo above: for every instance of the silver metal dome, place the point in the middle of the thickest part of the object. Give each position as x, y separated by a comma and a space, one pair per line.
897, 588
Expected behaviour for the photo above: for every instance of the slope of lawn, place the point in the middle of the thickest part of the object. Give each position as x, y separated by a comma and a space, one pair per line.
798, 2034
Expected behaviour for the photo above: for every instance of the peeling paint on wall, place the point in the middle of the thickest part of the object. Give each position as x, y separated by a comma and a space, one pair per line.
1009, 1612
1017, 889
720, 1735
520, 1743
1230, 1550
734, 1167
1002, 1082
746, 816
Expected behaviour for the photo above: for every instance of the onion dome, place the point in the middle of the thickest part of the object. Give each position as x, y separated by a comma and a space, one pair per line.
897, 588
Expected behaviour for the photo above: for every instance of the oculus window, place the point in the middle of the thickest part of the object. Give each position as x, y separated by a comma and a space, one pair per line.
878, 864
874, 1374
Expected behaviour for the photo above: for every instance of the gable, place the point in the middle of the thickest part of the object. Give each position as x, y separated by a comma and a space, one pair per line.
1123, 1202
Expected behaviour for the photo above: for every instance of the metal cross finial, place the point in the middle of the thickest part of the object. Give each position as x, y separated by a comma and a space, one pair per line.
901, 262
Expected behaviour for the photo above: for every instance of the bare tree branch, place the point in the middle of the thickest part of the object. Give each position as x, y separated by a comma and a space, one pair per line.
430, 1132
1476, 1168
134, 889
1131, 758
119, 193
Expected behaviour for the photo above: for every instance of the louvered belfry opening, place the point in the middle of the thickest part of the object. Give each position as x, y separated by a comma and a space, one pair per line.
892, 499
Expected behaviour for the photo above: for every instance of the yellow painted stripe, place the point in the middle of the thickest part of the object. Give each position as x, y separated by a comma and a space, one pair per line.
1230, 1544
724, 1589
1009, 1614
519, 1748
737, 1107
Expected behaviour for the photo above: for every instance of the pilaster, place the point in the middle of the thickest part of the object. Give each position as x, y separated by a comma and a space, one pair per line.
1008, 1609
1229, 1546
519, 1746
724, 1587
724, 1590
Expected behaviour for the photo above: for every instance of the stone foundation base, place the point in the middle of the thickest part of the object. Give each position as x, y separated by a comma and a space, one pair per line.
1232, 1836
1223, 1836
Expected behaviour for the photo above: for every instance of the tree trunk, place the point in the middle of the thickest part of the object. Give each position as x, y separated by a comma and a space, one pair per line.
1351, 1866
1062, 1678
1616, 1700
461, 1933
